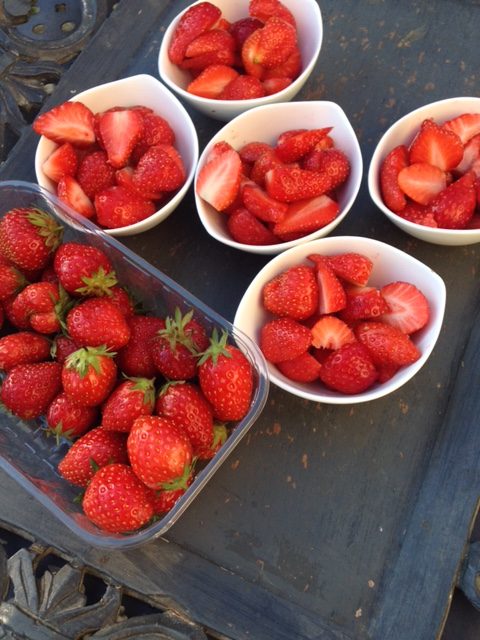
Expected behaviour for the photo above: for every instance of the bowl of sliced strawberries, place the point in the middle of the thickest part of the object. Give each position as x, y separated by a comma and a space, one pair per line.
122, 154
425, 172
344, 319
264, 183
225, 57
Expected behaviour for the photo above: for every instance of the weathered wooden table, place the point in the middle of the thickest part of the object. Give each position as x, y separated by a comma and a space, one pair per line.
331, 522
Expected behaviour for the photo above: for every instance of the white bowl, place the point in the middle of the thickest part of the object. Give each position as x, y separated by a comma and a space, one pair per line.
136, 90
402, 132
309, 27
265, 124
390, 264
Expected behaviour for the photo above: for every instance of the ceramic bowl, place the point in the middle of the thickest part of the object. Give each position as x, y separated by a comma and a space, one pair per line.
309, 27
403, 132
265, 124
143, 90
390, 264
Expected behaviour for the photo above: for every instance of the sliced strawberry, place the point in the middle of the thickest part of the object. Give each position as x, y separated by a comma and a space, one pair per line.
95, 173
422, 181
303, 368
306, 216
211, 40
156, 130
395, 161
284, 339
269, 46
120, 131
225, 57
119, 207
436, 145
290, 184
335, 164
124, 178
332, 296
471, 157
212, 81
243, 87
70, 192
293, 147
351, 267
363, 303
217, 150
62, 162
454, 207
244, 27
265, 9
274, 85
292, 293
68, 122
263, 164
408, 307
419, 214
196, 20
465, 126
330, 332
246, 228
387, 344
349, 369
291, 68
218, 181
252, 151
258, 202
160, 168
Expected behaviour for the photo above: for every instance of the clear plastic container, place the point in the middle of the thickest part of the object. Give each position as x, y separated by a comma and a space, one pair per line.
31, 458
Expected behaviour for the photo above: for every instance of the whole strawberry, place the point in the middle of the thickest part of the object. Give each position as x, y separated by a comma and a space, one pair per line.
130, 400
284, 339
165, 499
83, 270
23, 347
11, 281
116, 500
29, 237
135, 359
97, 321
41, 306
226, 378
349, 369
93, 450
89, 375
160, 454
28, 389
68, 419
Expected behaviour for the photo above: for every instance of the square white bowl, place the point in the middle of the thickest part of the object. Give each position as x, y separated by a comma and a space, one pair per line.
147, 91
389, 265
310, 35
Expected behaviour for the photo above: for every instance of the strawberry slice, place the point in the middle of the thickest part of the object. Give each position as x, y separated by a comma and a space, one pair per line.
258, 202
246, 228
161, 168
349, 369
290, 183
363, 303
332, 296
124, 178
62, 162
409, 310
436, 145
291, 68
419, 214
454, 207
70, 192
471, 157
330, 332
120, 131
212, 40
351, 267
269, 46
218, 181
252, 151
392, 195
422, 181
212, 81
95, 173
465, 126
265, 9
119, 207
303, 368
306, 216
274, 85
196, 20
68, 122
284, 339
199, 63
266, 161
243, 87
387, 344
293, 147
292, 293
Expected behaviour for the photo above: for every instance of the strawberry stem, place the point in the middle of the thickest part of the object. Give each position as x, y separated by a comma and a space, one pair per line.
217, 348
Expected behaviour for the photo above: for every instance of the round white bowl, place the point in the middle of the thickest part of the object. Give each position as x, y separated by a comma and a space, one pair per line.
309, 28
403, 132
265, 124
143, 90
390, 264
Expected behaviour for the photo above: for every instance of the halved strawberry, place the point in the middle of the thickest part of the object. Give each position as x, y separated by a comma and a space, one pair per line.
351, 267
218, 181
119, 207
212, 81
258, 202
292, 293
303, 368
252, 151
422, 181
62, 162
409, 308
246, 228
201, 62
436, 145
465, 126
330, 332
208, 41
363, 303
243, 87
95, 173
160, 168
120, 131
418, 213
68, 122
283, 339
471, 157
274, 85
265, 9
262, 165
293, 147
332, 296
70, 192
244, 27
124, 178
291, 68
395, 161
349, 369
290, 184
387, 344
306, 216
196, 20
454, 207
269, 46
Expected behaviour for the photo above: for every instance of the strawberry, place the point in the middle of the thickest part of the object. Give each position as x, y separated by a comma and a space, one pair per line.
119, 207
62, 347
95, 173
124, 178
287, 70
121, 298
11, 281
258, 202
418, 213
332, 296
210, 41
293, 145
351, 267
88, 375
93, 450
421, 181
335, 164
97, 321
246, 228
265, 9
218, 181
212, 81
196, 20
161, 168
284, 339
68, 122
436, 145
28, 389
329, 332
303, 368
131, 399
274, 85
292, 293
67, 419
465, 126
165, 499
386, 343
409, 309
243, 87
120, 131
395, 161
135, 359
290, 184
349, 369
84, 270
220, 435
251, 151
226, 378
305, 216
42, 305
363, 303
71, 193
224, 57
23, 347
29, 237
156, 130
471, 157
160, 453
269, 46
185, 405
454, 207
116, 500
61, 162
244, 27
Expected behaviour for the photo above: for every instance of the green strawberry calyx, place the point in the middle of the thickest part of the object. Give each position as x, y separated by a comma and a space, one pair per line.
175, 333
46, 226
181, 482
100, 283
82, 359
146, 386
217, 348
